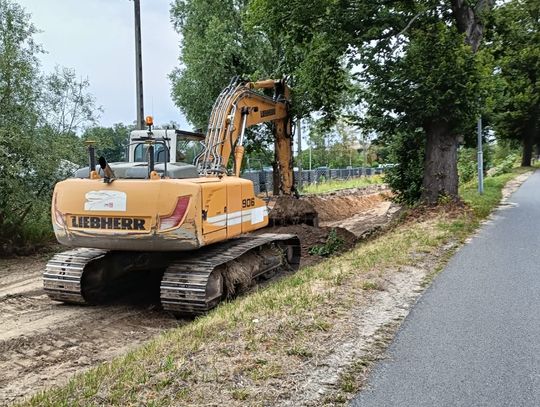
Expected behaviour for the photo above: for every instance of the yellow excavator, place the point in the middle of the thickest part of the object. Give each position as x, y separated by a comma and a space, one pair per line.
189, 222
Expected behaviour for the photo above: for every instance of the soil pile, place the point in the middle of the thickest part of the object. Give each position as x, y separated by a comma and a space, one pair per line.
332, 207
288, 210
354, 214
311, 236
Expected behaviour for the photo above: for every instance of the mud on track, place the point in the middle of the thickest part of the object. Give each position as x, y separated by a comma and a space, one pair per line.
43, 343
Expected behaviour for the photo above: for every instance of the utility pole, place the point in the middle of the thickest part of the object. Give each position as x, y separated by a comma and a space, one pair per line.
480, 155
138, 66
299, 154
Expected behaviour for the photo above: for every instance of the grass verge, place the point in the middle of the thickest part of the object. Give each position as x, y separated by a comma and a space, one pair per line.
258, 349
336, 185
483, 204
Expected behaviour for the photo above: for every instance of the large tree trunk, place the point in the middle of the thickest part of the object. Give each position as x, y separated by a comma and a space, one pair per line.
440, 165
530, 137
528, 144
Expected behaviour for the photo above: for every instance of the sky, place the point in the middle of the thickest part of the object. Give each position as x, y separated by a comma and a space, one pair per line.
96, 39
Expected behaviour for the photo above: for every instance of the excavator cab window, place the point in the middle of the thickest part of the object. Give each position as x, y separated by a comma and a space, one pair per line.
187, 150
141, 151
159, 153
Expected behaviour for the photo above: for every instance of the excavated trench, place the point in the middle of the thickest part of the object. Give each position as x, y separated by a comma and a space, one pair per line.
43, 343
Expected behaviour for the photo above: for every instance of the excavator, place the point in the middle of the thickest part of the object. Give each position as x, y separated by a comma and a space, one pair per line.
191, 224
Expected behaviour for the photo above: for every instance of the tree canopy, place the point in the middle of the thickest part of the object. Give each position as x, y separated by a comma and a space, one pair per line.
223, 39
39, 115
516, 49
411, 67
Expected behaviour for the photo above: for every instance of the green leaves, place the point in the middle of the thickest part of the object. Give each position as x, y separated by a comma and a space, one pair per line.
39, 117
259, 39
215, 47
111, 142
516, 47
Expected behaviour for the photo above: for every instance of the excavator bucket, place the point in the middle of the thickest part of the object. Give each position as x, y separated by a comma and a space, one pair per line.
289, 210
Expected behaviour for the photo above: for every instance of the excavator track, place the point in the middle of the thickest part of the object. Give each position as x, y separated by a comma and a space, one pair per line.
62, 278
194, 285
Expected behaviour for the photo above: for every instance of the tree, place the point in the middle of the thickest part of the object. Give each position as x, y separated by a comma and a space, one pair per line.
67, 106
111, 142
19, 77
516, 47
222, 39
32, 149
428, 78
215, 48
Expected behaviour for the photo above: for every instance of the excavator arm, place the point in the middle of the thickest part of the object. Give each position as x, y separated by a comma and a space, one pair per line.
238, 107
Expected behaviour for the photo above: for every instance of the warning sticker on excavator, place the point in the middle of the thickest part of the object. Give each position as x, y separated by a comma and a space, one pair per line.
258, 214
105, 200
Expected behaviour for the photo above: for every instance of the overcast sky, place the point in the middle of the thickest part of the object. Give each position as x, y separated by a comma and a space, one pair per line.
96, 38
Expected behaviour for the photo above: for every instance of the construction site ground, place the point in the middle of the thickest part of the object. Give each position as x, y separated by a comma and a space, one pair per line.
43, 343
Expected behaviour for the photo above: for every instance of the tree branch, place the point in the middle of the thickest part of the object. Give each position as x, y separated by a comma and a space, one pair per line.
469, 20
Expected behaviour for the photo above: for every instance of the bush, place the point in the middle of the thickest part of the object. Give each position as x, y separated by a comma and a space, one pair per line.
504, 149
405, 179
467, 165
332, 245
505, 166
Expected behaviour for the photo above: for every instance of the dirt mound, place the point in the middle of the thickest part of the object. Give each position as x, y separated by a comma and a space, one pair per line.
311, 236
288, 210
352, 213
342, 206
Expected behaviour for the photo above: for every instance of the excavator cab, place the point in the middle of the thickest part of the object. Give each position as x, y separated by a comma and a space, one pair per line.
179, 146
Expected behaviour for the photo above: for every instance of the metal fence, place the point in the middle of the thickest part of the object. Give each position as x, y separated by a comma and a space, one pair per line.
263, 179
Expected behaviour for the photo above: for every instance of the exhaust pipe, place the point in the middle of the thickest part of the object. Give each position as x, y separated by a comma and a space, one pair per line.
107, 171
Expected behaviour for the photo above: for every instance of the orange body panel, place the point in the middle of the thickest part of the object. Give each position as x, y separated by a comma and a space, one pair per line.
133, 214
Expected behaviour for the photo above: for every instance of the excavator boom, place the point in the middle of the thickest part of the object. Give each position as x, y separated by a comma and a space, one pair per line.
238, 107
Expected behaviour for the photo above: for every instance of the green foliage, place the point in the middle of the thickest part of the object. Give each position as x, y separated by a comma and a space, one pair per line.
467, 164
332, 245
434, 77
516, 46
503, 149
333, 148
111, 142
405, 179
67, 106
215, 47
19, 114
39, 116
222, 39
426, 82
505, 166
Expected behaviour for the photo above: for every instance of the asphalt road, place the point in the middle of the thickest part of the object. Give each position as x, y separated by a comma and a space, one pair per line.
473, 338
